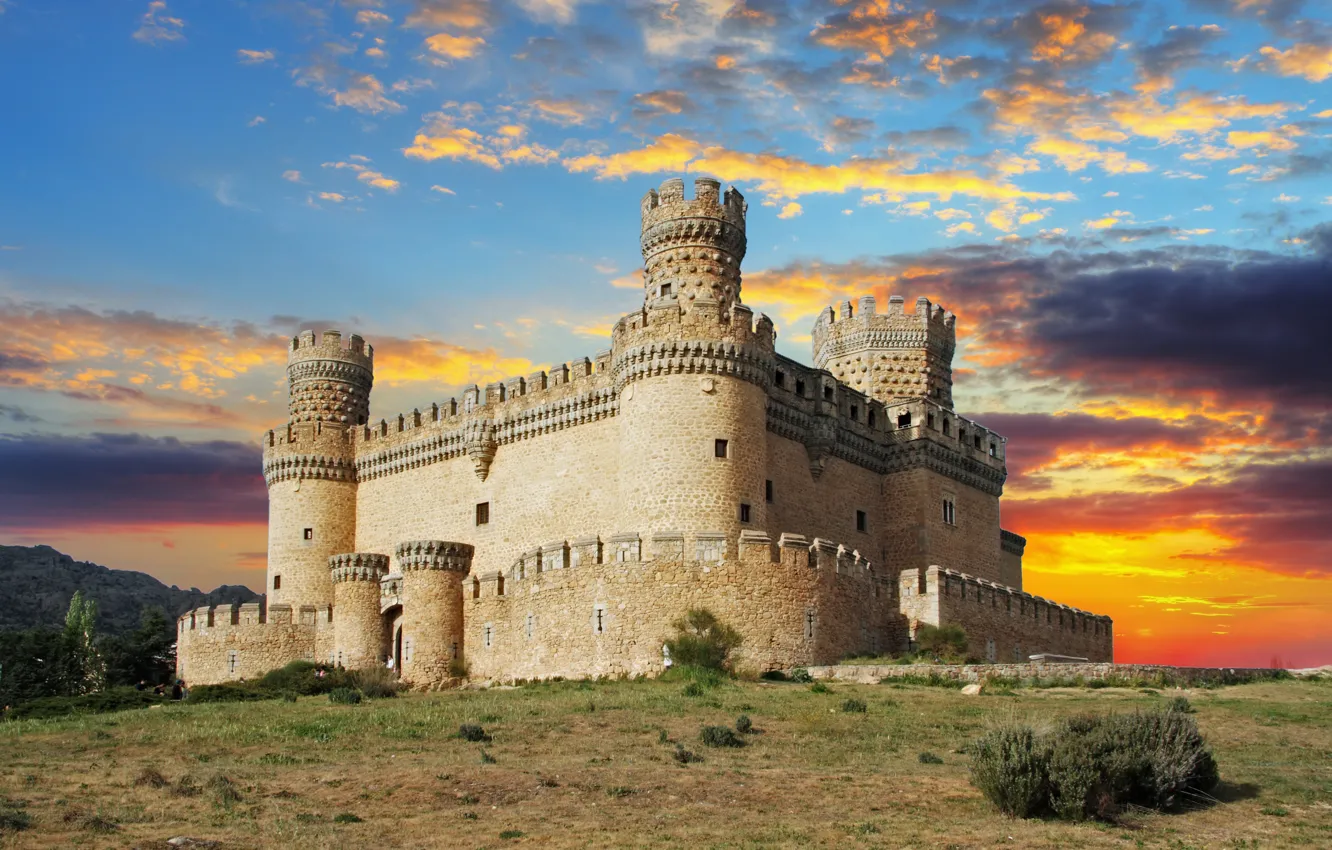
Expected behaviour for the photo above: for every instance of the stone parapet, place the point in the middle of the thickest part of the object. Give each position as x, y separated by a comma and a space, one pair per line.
434, 555
358, 566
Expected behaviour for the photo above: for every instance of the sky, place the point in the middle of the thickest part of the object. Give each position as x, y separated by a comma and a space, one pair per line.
1126, 204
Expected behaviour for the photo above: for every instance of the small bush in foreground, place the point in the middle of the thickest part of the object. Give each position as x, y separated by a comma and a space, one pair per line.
820, 688
376, 682
472, 732
1181, 704
346, 817
12, 816
947, 643
720, 736
151, 777
801, 675
929, 758
111, 699
744, 725
854, 706
684, 756
702, 640
1093, 766
344, 696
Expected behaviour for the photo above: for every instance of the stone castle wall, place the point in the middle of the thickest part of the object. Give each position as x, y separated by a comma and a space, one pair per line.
576, 617
231, 643
1002, 623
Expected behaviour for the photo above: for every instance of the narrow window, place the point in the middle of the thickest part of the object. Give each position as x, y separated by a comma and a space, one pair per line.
929, 419
719, 448
809, 624
309, 534
800, 388
977, 439
277, 582
994, 450
601, 623
665, 290
780, 379
476, 588
487, 627
870, 418
483, 513
744, 513
962, 435
828, 393
946, 429
949, 511
904, 419
499, 585
855, 412
767, 491
530, 620
862, 521
231, 661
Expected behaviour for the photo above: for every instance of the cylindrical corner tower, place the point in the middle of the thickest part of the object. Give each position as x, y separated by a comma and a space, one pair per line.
310, 467
693, 370
692, 249
358, 629
432, 607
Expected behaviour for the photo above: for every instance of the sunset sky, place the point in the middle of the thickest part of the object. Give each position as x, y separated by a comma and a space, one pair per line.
1124, 203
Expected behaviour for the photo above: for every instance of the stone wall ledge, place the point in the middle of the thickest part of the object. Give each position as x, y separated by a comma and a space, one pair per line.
1162, 674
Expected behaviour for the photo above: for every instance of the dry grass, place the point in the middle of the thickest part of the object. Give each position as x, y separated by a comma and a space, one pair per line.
594, 765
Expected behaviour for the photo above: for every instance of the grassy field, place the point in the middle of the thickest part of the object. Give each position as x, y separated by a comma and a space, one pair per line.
592, 765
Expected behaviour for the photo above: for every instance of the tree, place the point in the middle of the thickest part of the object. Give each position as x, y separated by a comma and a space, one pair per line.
147, 654
702, 640
946, 643
85, 667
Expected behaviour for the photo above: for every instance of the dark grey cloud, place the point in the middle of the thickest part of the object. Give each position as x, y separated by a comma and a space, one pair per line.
49, 481
945, 137
1178, 49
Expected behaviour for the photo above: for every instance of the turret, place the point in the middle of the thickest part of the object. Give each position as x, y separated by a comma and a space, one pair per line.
310, 468
358, 628
692, 248
327, 381
432, 607
889, 356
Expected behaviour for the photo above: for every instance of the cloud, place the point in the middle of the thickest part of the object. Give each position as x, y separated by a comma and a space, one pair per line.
156, 26
291, 175
1075, 156
788, 178
1179, 49
451, 14
372, 18
443, 190
550, 11
790, 210
661, 102
365, 174
876, 30
443, 138
1063, 33
362, 92
450, 47
254, 57
1312, 61
128, 480
421, 360
255, 121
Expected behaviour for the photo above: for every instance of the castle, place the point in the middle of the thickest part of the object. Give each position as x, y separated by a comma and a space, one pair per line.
557, 524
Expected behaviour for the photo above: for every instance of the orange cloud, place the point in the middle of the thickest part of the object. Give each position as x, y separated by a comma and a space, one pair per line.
1313, 62
1066, 39
451, 47
1075, 156
254, 57
451, 14
877, 29
442, 138
420, 360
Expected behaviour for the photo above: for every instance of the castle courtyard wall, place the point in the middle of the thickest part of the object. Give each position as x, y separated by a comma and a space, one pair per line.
231, 643
612, 618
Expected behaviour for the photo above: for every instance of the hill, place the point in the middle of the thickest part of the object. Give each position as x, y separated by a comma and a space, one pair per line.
39, 582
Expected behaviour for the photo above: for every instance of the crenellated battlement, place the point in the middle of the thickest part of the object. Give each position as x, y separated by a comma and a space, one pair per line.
329, 381
358, 566
318, 450
434, 555
892, 355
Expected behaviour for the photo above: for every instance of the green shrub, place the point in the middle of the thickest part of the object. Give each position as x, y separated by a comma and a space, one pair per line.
693, 689
1093, 766
346, 817
486, 757
1180, 704
224, 790
744, 725
344, 696
820, 688
702, 640
720, 736
854, 706
1009, 765
801, 675
12, 816
111, 699
376, 682
472, 732
684, 756
928, 757
512, 833
946, 643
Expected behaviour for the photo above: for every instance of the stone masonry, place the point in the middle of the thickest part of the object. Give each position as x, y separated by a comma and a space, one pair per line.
556, 524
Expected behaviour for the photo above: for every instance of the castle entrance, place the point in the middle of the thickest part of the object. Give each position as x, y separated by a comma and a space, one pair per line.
397, 651
392, 646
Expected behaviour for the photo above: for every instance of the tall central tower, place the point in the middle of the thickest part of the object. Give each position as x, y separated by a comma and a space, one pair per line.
692, 249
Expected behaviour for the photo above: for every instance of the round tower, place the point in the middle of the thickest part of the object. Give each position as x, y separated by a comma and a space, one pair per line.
310, 466
890, 356
692, 369
692, 249
358, 628
432, 607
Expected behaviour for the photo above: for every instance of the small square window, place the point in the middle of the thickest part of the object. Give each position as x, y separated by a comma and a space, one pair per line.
855, 412
744, 513
719, 448
665, 290
904, 419
483, 513
767, 492
800, 388
277, 582
308, 534
862, 521
978, 441
780, 379
828, 393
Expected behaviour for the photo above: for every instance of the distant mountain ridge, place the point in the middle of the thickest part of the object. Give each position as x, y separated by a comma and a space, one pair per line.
36, 583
